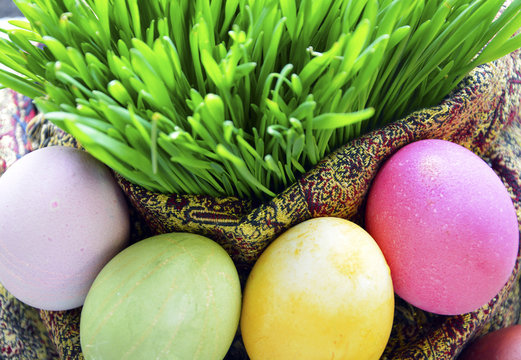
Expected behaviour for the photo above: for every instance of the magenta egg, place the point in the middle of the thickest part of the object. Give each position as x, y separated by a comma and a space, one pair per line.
503, 344
446, 225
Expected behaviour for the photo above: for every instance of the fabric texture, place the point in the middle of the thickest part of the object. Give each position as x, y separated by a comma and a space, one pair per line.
16, 111
482, 115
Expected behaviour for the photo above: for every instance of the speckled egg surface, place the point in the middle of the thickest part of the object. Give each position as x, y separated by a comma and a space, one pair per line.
62, 218
446, 225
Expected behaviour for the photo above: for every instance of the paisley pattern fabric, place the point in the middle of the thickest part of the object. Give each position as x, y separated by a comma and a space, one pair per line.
482, 115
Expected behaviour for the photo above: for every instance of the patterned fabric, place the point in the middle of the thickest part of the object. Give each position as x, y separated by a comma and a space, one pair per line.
64, 329
22, 333
16, 111
481, 115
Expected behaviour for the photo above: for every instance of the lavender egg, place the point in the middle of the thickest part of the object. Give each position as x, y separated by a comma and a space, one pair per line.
62, 218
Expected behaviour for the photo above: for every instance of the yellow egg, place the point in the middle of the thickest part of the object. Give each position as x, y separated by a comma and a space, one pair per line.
322, 290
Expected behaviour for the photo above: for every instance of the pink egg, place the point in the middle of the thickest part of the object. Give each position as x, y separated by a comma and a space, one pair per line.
503, 344
62, 218
446, 225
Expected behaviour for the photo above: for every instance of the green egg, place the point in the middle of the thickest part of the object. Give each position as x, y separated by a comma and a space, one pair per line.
171, 296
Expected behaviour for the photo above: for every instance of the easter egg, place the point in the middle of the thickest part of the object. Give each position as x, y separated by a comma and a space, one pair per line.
321, 290
171, 296
62, 218
446, 225
503, 344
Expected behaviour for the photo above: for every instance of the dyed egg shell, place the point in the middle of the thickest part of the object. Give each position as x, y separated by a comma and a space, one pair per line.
504, 344
62, 218
322, 290
446, 225
171, 296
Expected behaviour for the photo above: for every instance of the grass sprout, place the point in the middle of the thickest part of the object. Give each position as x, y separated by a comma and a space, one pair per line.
240, 97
